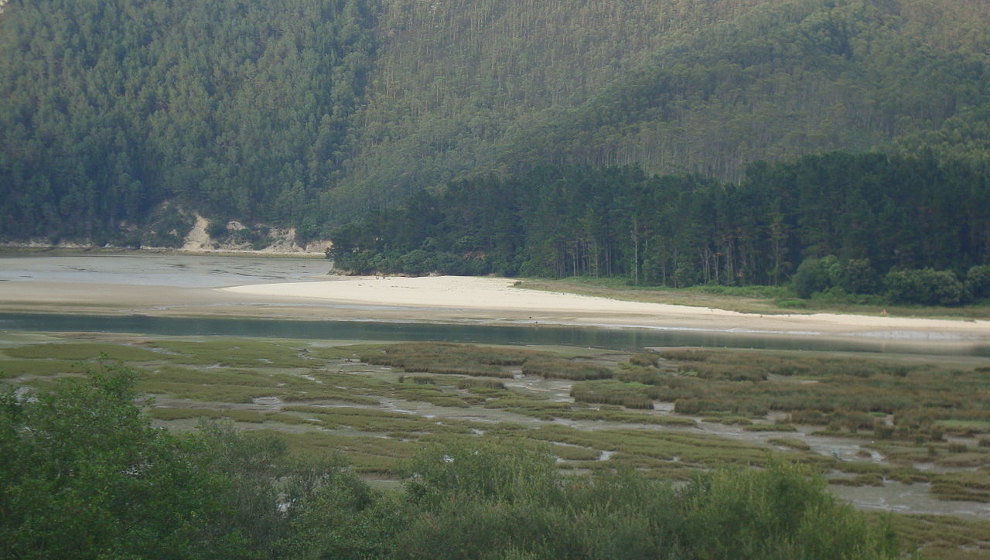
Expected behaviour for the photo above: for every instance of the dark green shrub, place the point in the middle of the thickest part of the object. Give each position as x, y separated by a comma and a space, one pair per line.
812, 275
854, 276
486, 500
978, 281
926, 287
217, 228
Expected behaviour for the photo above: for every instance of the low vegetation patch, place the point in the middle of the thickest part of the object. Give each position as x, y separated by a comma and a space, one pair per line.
350, 400
629, 395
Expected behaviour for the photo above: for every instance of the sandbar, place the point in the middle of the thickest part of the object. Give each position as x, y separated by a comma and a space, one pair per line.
486, 298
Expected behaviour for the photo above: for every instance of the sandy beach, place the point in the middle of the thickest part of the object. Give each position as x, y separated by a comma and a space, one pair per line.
301, 289
449, 297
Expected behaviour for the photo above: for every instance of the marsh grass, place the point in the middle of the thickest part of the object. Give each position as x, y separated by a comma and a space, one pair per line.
486, 387
236, 352
551, 367
792, 443
942, 537
845, 395
365, 454
87, 351
430, 394
220, 393
652, 447
644, 359
903, 410
769, 428
381, 421
629, 395
575, 453
446, 358
236, 415
972, 486
10, 368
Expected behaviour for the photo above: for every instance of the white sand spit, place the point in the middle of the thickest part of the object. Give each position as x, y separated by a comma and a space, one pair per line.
455, 292
499, 294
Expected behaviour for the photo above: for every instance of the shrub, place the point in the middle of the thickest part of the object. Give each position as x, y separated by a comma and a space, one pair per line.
495, 501
854, 276
812, 276
561, 368
926, 286
978, 281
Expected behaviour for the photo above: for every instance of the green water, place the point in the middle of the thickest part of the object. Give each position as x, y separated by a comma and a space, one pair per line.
627, 339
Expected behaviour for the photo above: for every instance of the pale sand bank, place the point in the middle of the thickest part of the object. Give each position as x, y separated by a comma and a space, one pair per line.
466, 297
449, 299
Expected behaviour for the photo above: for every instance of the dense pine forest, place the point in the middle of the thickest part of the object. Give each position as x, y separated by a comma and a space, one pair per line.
113, 111
675, 142
835, 221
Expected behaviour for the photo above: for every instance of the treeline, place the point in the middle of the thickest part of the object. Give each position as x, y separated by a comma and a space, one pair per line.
85, 476
881, 213
232, 108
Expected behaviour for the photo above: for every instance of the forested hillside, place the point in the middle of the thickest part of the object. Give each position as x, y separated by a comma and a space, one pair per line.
675, 86
119, 119
108, 108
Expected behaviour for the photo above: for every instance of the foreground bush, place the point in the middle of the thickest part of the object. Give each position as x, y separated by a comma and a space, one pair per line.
86, 476
486, 501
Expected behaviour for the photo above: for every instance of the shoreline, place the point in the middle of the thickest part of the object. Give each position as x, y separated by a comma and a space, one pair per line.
487, 297
302, 292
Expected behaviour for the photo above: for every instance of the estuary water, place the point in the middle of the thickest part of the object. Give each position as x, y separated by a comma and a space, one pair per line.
614, 339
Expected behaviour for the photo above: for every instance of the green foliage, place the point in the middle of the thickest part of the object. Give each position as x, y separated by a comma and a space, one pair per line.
487, 473
122, 119
493, 501
878, 213
118, 115
926, 286
690, 86
85, 476
978, 281
853, 276
776, 513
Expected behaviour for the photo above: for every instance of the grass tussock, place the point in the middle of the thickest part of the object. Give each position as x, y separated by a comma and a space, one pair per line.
792, 443
85, 351
551, 367
10, 368
610, 391
445, 358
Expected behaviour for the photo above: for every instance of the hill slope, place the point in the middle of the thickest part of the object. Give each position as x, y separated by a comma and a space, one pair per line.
308, 113
719, 86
